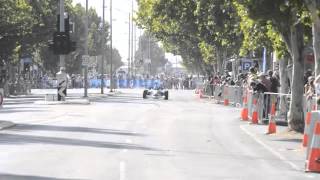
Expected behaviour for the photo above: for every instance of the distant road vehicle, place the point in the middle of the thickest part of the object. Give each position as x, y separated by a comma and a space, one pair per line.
156, 93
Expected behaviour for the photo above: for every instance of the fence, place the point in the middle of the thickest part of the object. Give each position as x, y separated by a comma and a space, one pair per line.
259, 102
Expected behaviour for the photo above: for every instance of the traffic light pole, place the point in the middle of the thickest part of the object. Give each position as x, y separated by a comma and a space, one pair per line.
103, 48
86, 52
111, 49
61, 7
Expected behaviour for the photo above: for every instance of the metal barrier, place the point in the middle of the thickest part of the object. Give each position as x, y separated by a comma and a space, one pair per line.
235, 95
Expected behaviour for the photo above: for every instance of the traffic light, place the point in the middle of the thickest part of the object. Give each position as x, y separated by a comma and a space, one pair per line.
61, 43
26, 67
66, 24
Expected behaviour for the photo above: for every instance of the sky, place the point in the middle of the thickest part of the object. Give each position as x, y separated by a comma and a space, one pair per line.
120, 16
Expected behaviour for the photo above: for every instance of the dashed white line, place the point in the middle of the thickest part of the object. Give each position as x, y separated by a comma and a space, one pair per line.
122, 170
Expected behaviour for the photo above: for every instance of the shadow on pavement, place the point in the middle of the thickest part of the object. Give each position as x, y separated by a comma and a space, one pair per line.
16, 110
34, 127
297, 140
15, 139
6, 176
125, 100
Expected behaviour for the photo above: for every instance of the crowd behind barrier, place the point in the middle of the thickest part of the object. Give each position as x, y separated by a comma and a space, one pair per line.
168, 83
235, 95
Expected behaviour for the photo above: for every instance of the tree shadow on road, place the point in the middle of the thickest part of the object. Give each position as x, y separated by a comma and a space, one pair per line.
18, 110
16, 139
6, 176
125, 100
38, 127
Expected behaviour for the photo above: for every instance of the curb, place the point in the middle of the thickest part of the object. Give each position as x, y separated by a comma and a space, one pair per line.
6, 124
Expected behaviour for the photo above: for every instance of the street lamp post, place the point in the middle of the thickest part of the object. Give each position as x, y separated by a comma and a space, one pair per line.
111, 51
103, 48
86, 52
129, 47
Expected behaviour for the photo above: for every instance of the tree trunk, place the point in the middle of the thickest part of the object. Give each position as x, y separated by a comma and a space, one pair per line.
312, 6
219, 61
316, 45
296, 116
284, 85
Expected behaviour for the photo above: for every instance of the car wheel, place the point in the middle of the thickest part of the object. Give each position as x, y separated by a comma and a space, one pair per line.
166, 95
144, 95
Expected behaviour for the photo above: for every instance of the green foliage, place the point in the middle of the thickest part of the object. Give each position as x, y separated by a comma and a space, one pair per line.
157, 54
27, 25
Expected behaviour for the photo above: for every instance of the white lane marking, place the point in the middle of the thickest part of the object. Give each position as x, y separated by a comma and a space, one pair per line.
122, 170
310, 176
124, 150
275, 153
128, 141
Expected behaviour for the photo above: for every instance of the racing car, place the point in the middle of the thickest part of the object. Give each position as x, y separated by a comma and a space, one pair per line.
156, 93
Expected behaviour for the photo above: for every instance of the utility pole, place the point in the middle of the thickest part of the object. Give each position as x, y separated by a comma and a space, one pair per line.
62, 57
149, 52
86, 52
135, 49
132, 24
111, 53
129, 58
103, 48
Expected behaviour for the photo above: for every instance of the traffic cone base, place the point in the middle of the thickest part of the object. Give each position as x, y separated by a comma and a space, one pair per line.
306, 130
255, 117
200, 93
244, 114
272, 128
313, 159
226, 102
305, 140
313, 163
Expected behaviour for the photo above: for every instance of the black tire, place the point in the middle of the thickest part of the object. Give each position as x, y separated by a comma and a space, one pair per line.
166, 95
145, 93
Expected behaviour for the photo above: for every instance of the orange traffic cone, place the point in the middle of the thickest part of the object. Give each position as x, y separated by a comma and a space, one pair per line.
313, 161
255, 112
244, 111
225, 95
306, 130
200, 93
272, 128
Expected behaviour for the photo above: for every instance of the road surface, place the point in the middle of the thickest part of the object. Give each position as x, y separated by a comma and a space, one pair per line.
124, 137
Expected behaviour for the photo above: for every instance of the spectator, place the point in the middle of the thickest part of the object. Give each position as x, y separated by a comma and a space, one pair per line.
258, 87
317, 88
266, 82
309, 88
252, 76
275, 83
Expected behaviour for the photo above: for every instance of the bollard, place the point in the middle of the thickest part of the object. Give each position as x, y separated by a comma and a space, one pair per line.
226, 95
313, 159
254, 118
306, 130
62, 84
244, 111
272, 128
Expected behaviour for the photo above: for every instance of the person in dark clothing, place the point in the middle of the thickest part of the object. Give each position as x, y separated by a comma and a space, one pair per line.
274, 82
258, 87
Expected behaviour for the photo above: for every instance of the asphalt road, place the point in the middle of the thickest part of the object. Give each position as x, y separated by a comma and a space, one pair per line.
124, 137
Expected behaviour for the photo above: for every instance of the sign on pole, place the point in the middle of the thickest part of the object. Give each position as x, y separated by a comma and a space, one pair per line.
85, 60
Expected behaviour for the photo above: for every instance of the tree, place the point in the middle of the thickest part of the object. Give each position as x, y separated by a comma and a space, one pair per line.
149, 46
286, 18
313, 7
